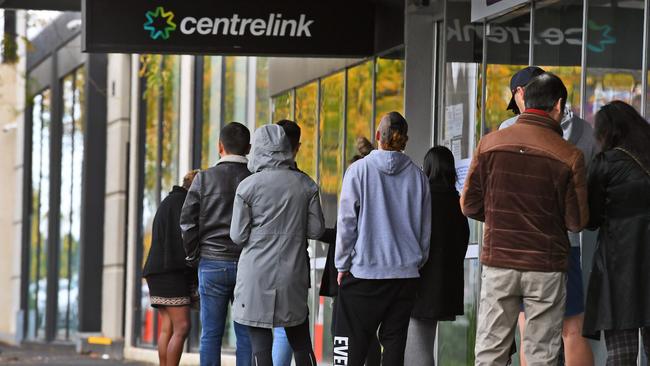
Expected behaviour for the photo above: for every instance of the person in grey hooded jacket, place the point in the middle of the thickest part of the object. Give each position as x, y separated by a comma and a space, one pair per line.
276, 209
384, 228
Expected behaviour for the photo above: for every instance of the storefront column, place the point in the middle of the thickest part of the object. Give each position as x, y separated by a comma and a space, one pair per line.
115, 200
419, 91
186, 116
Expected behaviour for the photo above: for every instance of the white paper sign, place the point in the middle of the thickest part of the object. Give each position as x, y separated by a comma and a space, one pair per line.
462, 168
453, 121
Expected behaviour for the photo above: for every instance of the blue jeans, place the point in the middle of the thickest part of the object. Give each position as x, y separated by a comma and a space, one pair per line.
216, 287
282, 351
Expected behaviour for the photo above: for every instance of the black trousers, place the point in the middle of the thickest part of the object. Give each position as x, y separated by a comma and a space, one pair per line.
365, 306
299, 339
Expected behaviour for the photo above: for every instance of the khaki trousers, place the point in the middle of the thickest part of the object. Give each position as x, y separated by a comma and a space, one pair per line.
502, 292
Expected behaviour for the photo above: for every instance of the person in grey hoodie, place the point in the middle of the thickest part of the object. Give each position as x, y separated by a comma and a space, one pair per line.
384, 227
276, 209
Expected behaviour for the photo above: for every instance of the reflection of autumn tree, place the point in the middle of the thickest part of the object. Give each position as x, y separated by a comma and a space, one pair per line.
390, 86
331, 133
282, 106
359, 113
306, 113
162, 100
331, 136
499, 94
262, 92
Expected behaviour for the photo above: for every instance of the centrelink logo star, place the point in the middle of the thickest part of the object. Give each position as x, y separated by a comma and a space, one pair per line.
605, 37
159, 23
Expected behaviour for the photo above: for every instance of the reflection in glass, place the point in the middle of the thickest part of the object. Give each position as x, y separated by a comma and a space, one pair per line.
390, 84
614, 54
72, 149
306, 115
558, 46
262, 106
506, 56
70, 220
161, 125
40, 175
359, 107
236, 79
282, 106
456, 339
330, 149
211, 124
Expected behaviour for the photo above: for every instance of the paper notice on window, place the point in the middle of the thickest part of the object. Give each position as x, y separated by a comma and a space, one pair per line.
462, 168
456, 147
453, 121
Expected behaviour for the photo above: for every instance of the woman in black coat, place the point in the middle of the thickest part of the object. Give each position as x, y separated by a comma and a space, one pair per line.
441, 286
618, 297
168, 277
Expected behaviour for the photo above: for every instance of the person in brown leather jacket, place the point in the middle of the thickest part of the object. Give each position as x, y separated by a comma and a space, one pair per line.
529, 187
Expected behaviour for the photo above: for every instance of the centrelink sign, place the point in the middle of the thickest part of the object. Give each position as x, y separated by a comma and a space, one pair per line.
331, 28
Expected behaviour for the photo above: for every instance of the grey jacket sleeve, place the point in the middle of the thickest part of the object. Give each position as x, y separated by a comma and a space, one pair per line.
425, 235
315, 219
190, 217
348, 217
240, 226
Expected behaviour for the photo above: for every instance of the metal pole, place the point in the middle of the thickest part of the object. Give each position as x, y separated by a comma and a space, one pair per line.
531, 35
644, 67
583, 58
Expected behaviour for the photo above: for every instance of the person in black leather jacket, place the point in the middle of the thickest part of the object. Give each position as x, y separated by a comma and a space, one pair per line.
205, 224
618, 296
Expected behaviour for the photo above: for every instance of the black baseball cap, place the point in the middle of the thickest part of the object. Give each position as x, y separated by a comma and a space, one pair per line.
522, 78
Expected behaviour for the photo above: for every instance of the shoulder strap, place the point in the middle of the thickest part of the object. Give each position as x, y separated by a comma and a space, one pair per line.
634, 158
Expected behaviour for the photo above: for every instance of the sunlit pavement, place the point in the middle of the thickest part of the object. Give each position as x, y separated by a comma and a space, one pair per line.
37, 354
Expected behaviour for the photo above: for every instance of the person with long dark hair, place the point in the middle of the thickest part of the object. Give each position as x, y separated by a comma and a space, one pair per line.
441, 287
618, 297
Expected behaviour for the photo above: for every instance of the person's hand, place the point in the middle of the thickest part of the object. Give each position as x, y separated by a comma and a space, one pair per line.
339, 279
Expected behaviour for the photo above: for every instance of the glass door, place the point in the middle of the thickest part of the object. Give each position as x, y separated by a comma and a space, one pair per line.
459, 71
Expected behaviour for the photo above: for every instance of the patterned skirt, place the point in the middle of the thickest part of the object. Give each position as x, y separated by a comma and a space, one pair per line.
169, 289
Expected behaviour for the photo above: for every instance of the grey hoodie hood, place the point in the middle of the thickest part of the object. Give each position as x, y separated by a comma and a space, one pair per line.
389, 162
271, 149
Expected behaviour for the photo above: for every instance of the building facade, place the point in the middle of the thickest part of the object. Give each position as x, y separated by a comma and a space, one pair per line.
105, 136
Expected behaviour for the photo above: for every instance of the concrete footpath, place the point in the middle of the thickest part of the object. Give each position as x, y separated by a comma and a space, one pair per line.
39, 354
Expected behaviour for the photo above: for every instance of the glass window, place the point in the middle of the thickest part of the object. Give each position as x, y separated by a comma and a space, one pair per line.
558, 45
359, 107
306, 116
614, 54
211, 124
70, 219
283, 107
236, 79
161, 124
459, 121
508, 53
262, 105
390, 84
40, 190
332, 109
456, 339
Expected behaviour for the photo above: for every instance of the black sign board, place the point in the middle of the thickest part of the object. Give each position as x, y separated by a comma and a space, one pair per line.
254, 27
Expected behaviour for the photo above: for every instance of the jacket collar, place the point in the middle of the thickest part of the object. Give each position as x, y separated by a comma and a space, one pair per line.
233, 159
178, 189
540, 118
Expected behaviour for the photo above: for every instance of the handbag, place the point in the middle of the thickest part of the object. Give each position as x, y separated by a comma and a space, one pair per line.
626, 152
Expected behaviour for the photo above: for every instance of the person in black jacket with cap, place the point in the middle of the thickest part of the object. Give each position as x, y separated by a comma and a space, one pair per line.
168, 277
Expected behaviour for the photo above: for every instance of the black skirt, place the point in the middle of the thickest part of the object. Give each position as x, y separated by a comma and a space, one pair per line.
170, 288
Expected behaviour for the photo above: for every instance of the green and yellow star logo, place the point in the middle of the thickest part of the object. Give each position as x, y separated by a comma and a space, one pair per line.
159, 23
